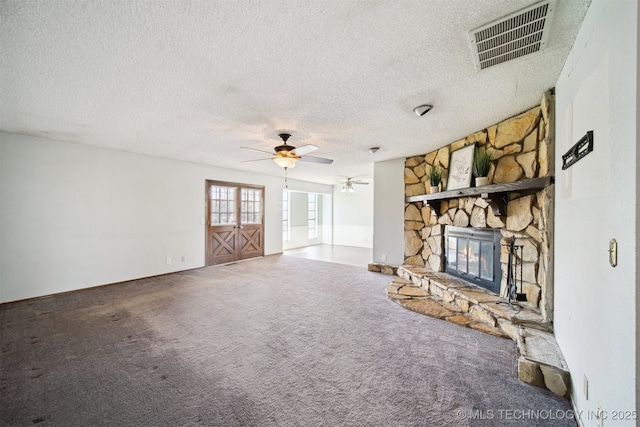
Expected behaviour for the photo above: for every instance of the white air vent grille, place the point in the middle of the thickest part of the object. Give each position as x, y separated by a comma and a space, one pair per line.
513, 36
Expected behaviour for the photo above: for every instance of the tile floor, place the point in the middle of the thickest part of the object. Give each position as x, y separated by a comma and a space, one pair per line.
349, 255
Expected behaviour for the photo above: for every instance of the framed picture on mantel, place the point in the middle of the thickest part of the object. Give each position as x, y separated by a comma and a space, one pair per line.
460, 163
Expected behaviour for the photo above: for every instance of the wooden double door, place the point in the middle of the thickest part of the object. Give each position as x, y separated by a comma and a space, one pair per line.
235, 222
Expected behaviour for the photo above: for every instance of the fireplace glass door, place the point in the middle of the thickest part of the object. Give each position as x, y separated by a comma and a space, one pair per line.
474, 255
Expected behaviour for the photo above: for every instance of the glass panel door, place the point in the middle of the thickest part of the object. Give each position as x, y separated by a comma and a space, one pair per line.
250, 206
474, 258
223, 205
462, 255
452, 253
235, 216
486, 260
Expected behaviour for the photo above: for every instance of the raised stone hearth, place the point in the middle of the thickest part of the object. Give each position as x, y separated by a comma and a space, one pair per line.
389, 270
439, 295
462, 298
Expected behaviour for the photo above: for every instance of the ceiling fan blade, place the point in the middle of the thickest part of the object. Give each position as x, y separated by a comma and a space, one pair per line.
256, 160
301, 151
360, 182
316, 160
259, 151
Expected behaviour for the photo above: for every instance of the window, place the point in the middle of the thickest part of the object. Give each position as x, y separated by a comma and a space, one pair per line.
250, 206
286, 235
223, 205
312, 215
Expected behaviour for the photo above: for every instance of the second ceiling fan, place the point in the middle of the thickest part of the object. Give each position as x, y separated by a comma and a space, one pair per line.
287, 155
347, 186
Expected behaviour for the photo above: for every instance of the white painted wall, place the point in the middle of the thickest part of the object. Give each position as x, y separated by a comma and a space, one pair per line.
353, 216
388, 211
637, 251
75, 216
596, 200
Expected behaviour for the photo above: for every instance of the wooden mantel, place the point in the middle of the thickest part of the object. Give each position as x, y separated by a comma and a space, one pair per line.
495, 194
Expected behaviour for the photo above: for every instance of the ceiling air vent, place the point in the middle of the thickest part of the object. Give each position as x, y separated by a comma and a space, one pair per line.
518, 34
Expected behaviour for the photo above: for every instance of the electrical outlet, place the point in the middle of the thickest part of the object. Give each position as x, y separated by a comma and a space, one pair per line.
184, 258
383, 257
168, 261
585, 387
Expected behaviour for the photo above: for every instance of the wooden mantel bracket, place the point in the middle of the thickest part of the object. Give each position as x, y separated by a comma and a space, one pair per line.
497, 202
497, 195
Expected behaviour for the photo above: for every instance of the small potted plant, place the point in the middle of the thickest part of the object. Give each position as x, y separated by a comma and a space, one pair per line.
435, 176
481, 165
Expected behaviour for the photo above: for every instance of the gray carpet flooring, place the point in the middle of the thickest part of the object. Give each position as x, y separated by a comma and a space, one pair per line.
275, 341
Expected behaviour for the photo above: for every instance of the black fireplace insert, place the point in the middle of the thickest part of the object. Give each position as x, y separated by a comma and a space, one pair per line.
473, 254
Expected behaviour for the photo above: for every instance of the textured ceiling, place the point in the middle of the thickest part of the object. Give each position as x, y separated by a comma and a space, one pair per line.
196, 80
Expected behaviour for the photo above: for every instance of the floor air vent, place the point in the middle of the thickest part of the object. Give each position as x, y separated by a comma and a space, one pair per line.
513, 36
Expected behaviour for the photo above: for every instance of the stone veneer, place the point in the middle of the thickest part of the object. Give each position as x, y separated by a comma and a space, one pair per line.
522, 148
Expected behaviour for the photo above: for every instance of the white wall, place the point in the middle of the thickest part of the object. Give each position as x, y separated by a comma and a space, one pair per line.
388, 211
596, 200
75, 216
353, 216
637, 248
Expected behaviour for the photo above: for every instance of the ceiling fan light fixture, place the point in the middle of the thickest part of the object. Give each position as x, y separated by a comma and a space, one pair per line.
421, 110
285, 162
347, 187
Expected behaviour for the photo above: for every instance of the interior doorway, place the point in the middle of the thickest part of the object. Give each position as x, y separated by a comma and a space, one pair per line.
235, 222
306, 219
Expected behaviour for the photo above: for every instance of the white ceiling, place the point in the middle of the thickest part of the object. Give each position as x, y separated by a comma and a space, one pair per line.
196, 80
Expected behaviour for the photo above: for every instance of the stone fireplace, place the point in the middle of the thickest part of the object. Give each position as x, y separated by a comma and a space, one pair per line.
459, 241
518, 204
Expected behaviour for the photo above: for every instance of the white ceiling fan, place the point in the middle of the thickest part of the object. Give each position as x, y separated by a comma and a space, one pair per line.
347, 186
286, 155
